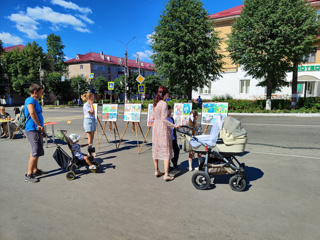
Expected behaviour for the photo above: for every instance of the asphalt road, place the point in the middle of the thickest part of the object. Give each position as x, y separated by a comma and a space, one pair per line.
126, 201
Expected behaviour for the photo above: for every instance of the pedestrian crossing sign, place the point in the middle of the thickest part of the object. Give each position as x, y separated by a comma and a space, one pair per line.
141, 88
110, 85
91, 76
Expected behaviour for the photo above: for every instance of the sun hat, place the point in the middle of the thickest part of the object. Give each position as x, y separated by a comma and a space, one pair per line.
74, 137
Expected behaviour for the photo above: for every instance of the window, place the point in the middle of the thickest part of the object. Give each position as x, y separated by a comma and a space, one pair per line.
205, 90
114, 69
109, 78
109, 69
103, 68
245, 86
81, 67
311, 57
81, 75
95, 67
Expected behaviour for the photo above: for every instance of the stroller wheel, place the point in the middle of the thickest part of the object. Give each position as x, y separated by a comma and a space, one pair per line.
97, 167
70, 175
237, 183
201, 180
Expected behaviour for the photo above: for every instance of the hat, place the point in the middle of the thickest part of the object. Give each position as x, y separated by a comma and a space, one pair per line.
74, 137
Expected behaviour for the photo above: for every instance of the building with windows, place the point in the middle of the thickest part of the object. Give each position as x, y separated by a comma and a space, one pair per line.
237, 84
104, 65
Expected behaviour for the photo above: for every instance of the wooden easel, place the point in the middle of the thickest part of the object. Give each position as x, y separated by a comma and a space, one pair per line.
134, 129
204, 132
115, 130
144, 140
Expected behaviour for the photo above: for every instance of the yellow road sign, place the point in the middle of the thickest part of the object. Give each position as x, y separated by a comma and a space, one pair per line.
141, 88
140, 79
91, 76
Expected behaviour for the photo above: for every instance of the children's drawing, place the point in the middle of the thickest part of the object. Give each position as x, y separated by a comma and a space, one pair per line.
211, 110
95, 107
132, 112
181, 113
110, 112
150, 112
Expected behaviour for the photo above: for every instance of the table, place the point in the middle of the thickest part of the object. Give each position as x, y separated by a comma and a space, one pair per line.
45, 129
8, 123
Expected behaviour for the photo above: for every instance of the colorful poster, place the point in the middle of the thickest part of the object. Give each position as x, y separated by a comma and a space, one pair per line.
210, 112
150, 112
95, 107
110, 112
181, 112
132, 112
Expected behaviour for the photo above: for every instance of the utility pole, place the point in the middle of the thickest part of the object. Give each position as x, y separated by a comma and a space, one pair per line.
126, 70
41, 76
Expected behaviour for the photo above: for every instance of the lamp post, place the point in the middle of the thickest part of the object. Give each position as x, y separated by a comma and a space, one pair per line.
126, 70
41, 73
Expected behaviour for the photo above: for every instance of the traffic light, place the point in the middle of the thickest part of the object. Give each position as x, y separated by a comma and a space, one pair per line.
129, 71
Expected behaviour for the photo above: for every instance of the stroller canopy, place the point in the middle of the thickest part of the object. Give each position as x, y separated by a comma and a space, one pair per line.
233, 126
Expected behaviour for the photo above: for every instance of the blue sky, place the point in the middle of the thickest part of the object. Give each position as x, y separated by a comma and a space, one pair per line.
89, 25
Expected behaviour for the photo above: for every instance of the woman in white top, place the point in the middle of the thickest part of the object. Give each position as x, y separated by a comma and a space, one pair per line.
89, 123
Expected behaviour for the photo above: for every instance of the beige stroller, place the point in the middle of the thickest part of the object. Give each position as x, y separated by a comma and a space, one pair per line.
226, 140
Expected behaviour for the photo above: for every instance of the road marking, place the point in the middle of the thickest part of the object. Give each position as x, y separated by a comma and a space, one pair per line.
285, 155
277, 124
65, 118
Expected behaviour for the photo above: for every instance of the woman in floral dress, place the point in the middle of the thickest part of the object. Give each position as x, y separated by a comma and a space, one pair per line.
161, 134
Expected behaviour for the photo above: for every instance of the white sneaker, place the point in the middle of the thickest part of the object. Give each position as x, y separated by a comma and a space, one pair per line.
190, 169
92, 167
197, 168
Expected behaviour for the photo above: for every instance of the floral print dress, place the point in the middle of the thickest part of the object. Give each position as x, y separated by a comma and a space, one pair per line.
161, 133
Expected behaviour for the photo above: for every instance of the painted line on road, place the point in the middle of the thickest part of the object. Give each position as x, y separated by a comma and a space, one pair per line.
286, 155
285, 125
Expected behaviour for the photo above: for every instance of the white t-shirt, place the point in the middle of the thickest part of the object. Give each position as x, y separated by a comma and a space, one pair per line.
86, 109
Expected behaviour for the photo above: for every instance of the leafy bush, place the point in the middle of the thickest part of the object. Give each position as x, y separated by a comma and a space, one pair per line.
71, 103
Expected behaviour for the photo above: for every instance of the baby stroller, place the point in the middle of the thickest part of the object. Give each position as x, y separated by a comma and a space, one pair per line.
72, 163
226, 140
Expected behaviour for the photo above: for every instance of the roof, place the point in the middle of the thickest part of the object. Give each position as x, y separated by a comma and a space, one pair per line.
235, 11
7, 49
107, 59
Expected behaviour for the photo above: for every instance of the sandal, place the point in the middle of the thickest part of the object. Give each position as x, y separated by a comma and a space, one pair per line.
158, 174
168, 178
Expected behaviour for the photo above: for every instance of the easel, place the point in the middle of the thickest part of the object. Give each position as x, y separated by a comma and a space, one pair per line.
204, 132
98, 120
144, 140
134, 128
115, 130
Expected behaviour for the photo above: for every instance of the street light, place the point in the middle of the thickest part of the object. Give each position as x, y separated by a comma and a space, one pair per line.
126, 70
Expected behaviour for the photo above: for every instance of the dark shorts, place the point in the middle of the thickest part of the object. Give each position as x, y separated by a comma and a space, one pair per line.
35, 139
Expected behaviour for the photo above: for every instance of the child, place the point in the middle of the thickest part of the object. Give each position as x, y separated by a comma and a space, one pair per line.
193, 123
77, 152
175, 147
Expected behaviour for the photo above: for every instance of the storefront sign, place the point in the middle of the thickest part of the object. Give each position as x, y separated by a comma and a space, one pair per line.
308, 68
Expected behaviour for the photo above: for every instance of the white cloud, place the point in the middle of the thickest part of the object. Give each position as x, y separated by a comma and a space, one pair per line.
66, 58
71, 5
7, 38
28, 21
149, 41
144, 56
85, 18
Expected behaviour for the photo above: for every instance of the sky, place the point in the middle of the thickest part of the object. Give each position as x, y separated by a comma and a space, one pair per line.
89, 25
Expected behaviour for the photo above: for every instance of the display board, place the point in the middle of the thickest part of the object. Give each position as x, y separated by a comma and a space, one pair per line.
211, 110
95, 107
181, 112
150, 112
132, 112
110, 112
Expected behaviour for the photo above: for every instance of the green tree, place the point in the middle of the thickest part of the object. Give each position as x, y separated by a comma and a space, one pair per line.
100, 85
55, 52
61, 90
131, 83
186, 47
4, 81
152, 83
80, 82
263, 36
23, 67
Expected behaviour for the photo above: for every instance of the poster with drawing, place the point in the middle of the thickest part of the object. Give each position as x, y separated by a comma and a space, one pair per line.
132, 112
181, 112
211, 110
95, 107
150, 111
110, 112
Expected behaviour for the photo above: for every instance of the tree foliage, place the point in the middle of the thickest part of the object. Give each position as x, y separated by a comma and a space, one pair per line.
131, 83
23, 67
152, 83
55, 52
100, 85
185, 46
62, 90
83, 85
4, 81
268, 36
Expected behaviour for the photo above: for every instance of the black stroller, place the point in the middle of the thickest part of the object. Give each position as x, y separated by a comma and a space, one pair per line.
220, 148
72, 163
